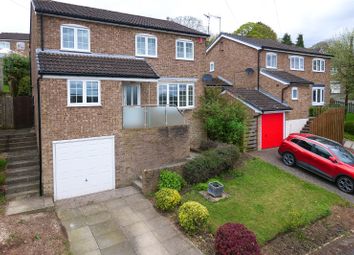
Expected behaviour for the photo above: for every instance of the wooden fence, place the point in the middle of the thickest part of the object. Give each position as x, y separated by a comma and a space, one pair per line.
329, 124
6, 111
16, 112
350, 105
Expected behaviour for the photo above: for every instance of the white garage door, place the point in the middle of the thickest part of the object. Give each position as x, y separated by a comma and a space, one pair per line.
83, 166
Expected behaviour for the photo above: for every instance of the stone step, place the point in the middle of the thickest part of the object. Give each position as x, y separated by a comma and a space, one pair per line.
24, 155
22, 163
30, 177
22, 195
140, 177
22, 187
138, 184
21, 171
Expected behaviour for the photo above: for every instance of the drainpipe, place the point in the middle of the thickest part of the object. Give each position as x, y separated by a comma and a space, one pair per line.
39, 133
42, 28
282, 92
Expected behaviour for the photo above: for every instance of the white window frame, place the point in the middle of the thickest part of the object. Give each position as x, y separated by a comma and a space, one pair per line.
322, 63
276, 60
7, 43
292, 93
84, 94
76, 28
211, 66
188, 84
138, 85
20, 43
322, 96
145, 36
184, 41
295, 68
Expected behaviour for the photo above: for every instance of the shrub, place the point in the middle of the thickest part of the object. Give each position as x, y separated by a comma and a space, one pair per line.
193, 217
170, 180
167, 199
223, 119
15, 68
208, 144
210, 164
24, 87
234, 238
204, 185
349, 127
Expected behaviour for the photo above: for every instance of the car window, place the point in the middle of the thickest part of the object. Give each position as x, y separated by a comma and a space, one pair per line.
320, 151
343, 155
302, 144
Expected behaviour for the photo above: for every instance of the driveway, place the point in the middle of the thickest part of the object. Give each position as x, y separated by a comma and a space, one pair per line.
272, 156
118, 222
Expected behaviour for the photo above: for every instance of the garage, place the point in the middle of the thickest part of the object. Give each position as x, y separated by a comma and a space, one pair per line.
83, 166
272, 130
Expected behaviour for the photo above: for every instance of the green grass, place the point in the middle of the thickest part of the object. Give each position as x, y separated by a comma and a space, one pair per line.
349, 118
268, 201
2, 164
6, 88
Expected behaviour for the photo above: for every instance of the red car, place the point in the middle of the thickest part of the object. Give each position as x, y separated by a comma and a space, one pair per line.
321, 156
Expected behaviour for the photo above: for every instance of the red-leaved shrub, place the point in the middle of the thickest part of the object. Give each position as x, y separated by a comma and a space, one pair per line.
235, 239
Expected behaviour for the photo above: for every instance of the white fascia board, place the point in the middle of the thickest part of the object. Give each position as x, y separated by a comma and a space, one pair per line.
224, 80
65, 77
177, 79
273, 78
232, 39
297, 53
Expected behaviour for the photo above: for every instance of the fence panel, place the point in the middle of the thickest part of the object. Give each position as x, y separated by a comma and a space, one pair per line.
350, 105
23, 112
6, 111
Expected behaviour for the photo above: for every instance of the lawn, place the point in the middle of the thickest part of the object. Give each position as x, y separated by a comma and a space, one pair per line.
6, 88
267, 200
349, 118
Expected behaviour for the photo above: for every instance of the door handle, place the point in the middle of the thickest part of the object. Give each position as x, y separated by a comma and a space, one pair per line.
86, 180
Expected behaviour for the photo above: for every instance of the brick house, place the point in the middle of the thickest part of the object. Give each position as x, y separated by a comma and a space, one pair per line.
14, 42
277, 82
114, 95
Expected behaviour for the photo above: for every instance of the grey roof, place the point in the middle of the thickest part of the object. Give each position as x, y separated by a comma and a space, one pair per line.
258, 100
215, 81
94, 14
275, 45
285, 76
93, 65
14, 36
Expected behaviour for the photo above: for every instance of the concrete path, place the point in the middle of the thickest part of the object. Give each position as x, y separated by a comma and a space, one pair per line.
29, 205
118, 222
272, 156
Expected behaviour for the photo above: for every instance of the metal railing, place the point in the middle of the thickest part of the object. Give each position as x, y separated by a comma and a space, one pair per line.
150, 116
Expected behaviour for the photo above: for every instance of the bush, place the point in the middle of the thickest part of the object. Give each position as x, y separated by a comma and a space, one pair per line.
208, 144
349, 127
15, 68
210, 164
234, 238
170, 180
167, 199
223, 119
24, 87
193, 217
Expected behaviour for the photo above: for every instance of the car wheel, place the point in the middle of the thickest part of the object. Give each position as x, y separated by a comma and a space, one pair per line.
345, 184
288, 159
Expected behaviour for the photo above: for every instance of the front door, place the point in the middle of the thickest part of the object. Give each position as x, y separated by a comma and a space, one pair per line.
131, 94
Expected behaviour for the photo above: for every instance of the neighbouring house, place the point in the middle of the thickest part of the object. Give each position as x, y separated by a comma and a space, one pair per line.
114, 95
277, 82
14, 43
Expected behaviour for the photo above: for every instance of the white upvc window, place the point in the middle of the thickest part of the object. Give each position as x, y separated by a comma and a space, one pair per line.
131, 94
211, 66
318, 65
297, 63
271, 60
75, 38
4, 45
84, 93
176, 94
20, 45
318, 96
146, 45
294, 93
184, 49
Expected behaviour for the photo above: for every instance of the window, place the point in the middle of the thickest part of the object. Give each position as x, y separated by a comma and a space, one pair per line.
294, 93
296, 63
75, 38
302, 144
146, 46
317, 96
132, 95
211, 67
184, 50
322, 152
4, 45
20, 45
318, 65
84, 93
180, 95
271, 60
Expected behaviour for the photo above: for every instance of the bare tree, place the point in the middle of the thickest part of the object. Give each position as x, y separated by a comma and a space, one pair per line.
190, 21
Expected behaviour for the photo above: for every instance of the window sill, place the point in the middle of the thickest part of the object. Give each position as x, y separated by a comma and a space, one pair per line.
317, 104
318, 71
186, 108
185, 59
299, 70
145, 56
76, 50
271, 67
83, 105
295, 99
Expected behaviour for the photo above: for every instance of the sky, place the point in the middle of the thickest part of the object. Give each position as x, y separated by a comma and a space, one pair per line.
317, 20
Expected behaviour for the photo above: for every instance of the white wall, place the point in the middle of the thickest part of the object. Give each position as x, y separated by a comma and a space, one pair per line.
294, 126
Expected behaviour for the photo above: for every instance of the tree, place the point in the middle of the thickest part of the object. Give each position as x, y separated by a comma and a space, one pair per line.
342, 48
286, 39
189, 21
256, 30
15, 68
300, 41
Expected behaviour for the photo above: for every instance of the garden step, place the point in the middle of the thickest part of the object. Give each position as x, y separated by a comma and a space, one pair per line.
30, 177
140, 177
21, 187
21, 171
138, 184
22, 163
24, 194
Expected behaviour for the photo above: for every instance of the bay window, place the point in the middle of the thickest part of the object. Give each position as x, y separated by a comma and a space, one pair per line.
84, 93
75, 38
180, 95
318, 96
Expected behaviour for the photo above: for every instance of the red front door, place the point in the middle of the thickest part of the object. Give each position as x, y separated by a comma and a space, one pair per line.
272, 130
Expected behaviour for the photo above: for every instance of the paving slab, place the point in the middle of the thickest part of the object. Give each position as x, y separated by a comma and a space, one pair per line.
29, 205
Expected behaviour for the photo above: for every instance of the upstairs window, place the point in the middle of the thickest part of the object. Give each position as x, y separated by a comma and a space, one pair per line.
294, 93
297, 63
146, 46
318, 65
271, 60
184, 50
318, 96
4, 45
211, 67
179, 95
20, 45
84, 93
75, 38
